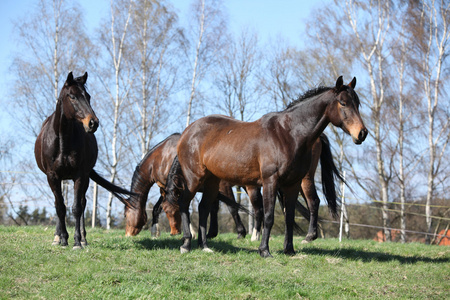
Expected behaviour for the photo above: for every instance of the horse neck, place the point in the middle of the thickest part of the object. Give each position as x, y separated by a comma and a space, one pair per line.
61, 124
309, 118
140, 185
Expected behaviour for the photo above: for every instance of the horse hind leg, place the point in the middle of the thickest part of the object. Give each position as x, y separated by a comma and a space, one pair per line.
257, 203
310, 194
80, 187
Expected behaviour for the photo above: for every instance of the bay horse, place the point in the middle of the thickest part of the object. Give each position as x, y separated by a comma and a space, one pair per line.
154, 168
66, 148
273, 152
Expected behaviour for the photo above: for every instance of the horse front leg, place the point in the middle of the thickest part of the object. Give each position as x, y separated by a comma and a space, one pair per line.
80, 187
211, 190
61, 234
227, 189
185, 222
157, 208
269, 194
312, 199
83, 224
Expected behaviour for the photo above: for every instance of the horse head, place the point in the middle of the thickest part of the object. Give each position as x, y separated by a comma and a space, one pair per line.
174, 217
344, 112
136, 219
76, 104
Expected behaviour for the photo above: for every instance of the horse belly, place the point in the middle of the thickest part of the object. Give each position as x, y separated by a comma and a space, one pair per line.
241, 169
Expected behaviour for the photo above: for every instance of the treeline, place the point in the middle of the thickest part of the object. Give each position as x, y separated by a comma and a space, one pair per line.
150, 75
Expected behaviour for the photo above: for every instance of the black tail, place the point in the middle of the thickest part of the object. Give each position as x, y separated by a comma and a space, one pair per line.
329, 171
231, 203
114, 189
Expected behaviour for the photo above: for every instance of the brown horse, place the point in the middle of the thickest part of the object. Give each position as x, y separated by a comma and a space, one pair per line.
154, 168
66, 148
273, 152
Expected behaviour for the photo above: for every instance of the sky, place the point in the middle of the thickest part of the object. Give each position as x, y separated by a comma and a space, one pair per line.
267, 17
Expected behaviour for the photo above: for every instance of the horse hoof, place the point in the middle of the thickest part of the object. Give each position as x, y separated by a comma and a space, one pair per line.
77, 247
183, 250
305, 242
56, 243
265, 253
84, 244
241, 236
289, 252
208, 250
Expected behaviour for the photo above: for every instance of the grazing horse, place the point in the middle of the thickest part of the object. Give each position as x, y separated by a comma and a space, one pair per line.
66, 148
154, 168
273, 152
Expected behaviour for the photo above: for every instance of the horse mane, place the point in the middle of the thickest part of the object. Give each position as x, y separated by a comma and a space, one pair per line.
137, 178
308, 94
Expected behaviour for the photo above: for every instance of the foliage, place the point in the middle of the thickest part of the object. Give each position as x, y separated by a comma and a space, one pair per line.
113, 266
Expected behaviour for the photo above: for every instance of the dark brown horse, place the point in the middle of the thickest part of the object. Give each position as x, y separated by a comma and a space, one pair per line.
66, 148
154, 168
273, 152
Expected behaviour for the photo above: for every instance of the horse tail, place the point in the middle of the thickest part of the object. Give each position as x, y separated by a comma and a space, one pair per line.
329, 171
114, 189
231, 203
298, 206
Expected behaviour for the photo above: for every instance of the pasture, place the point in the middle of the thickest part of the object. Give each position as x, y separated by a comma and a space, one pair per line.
113, 266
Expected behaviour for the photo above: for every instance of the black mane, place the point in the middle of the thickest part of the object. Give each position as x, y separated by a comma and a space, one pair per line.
137, 180
308, 94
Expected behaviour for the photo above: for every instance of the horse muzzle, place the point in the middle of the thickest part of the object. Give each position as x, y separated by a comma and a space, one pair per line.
90, 125
361, 136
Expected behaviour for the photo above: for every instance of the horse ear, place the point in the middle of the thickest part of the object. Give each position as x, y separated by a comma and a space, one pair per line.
352, 84
69, 79
339, 83
84, 78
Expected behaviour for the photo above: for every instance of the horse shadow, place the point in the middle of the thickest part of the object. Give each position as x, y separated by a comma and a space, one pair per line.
173, 243
368, 256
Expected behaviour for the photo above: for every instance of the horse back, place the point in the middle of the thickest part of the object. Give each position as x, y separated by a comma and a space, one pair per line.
235, 151
156, 164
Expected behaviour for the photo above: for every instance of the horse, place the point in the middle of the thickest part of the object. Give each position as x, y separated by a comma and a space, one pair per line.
66, 148
273, 152
154, 168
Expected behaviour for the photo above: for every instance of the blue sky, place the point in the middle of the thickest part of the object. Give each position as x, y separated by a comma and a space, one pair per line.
268, 18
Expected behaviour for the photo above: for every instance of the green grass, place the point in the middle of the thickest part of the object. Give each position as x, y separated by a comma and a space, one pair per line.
113, 266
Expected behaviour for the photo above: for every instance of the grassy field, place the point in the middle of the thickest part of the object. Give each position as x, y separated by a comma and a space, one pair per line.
116, 267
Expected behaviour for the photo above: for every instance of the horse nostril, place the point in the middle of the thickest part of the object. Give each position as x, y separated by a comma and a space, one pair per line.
93, 124
362, 134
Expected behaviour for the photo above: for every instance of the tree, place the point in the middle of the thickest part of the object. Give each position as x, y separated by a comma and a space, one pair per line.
55, 43
236, 75
432, 35
114, 39
157, 40
206, 32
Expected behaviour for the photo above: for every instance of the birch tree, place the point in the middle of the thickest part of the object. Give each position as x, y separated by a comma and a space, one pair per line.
157, 40
206, 34
432, 48
114, 39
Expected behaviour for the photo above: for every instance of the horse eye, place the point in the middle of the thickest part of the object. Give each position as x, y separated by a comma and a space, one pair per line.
72, 96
